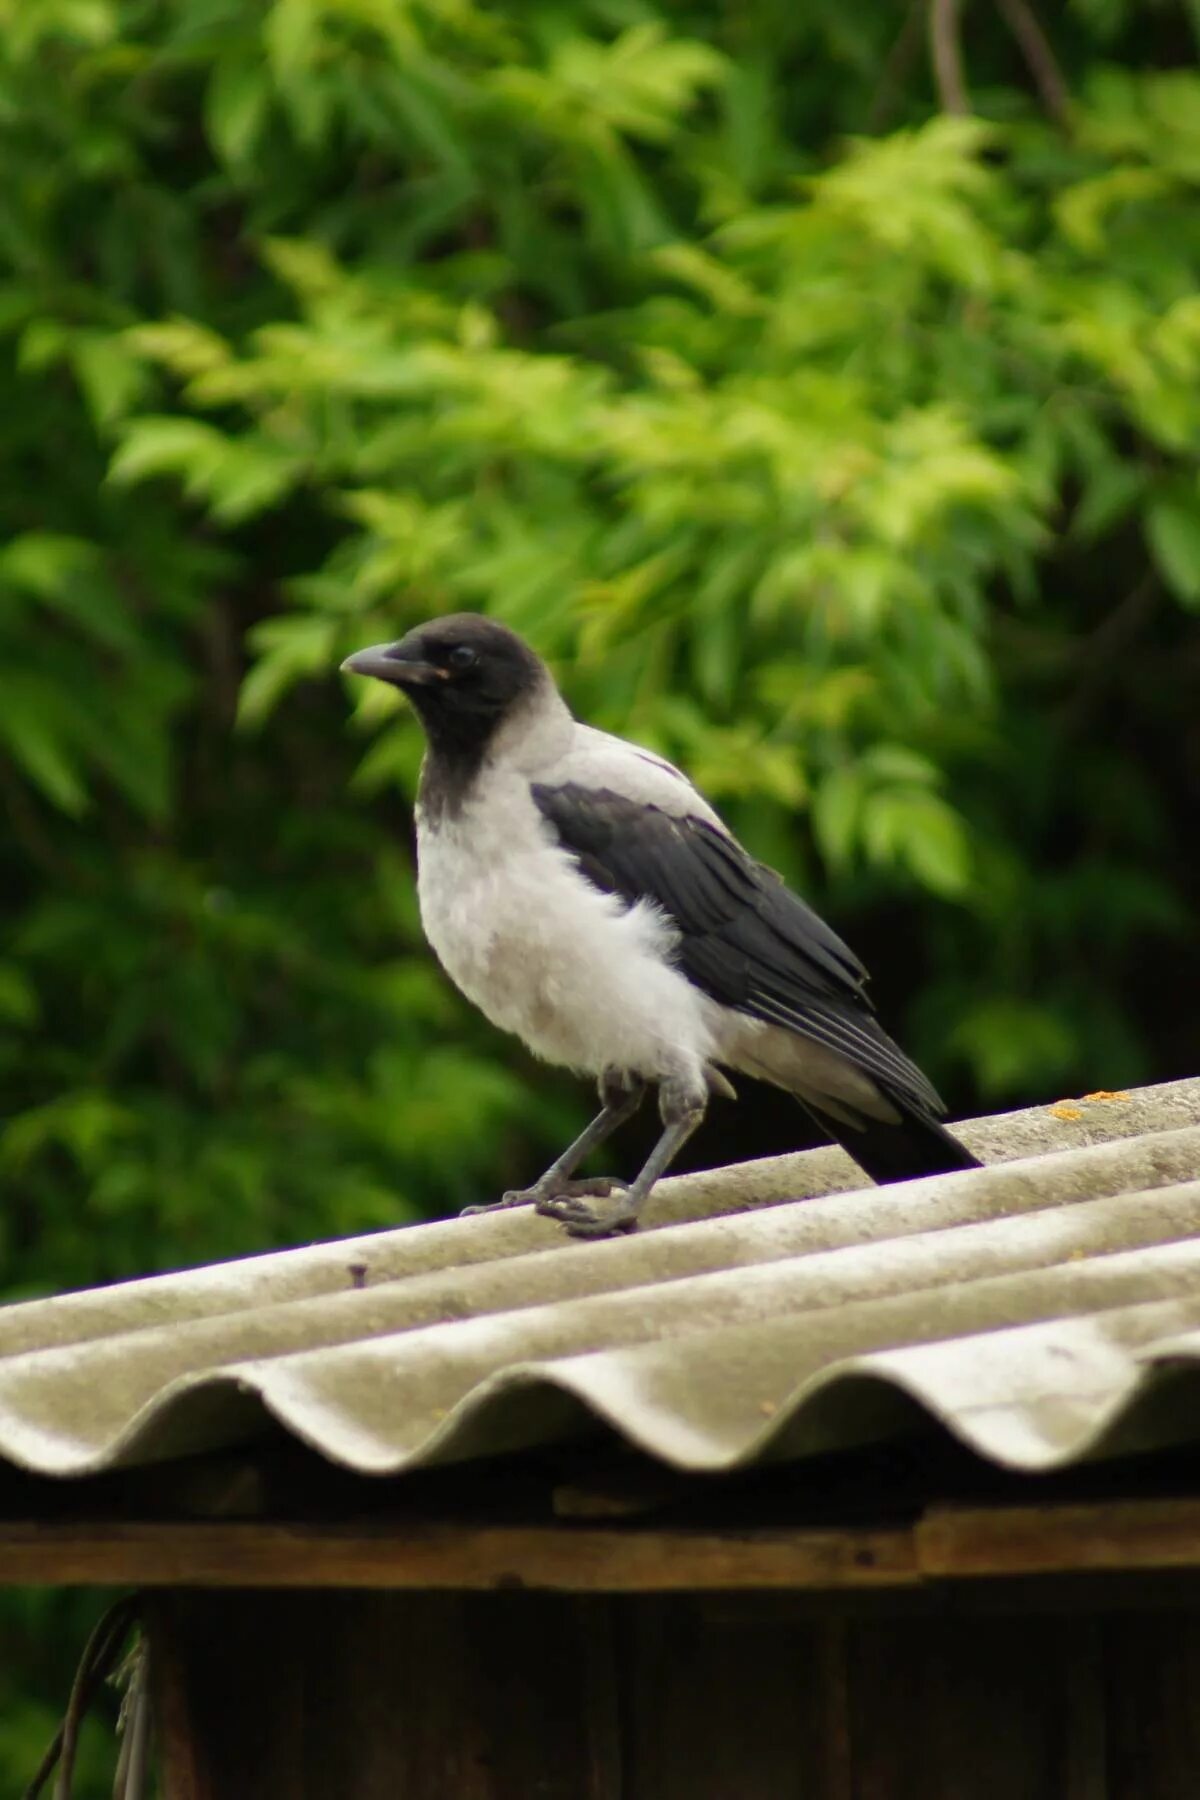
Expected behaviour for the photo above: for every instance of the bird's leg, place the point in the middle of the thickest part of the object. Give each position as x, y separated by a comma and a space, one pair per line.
620, 1097
681, 1105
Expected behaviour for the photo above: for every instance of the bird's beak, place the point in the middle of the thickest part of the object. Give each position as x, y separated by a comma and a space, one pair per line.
391, 662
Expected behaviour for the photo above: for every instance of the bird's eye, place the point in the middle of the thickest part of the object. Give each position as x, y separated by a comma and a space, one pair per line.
462, 657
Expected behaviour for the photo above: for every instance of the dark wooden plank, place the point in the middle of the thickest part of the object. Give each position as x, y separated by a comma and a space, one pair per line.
389, 1706
890, 1697
373, 1696
541, 1696
945, 1709
228, 1695
836, 1754
946, 1549
387, 1696
1152, 1707
948, 1544
178, 1748
381, 1555
1085, 1753
707, 1714
731, 1708
604, 1717
1037, 1540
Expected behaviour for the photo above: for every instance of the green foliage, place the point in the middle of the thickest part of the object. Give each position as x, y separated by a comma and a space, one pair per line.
842, 449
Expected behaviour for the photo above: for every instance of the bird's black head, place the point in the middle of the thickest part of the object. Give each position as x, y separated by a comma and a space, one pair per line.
464, 675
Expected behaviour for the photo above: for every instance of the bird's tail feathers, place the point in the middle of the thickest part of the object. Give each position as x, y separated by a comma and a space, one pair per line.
914, 1146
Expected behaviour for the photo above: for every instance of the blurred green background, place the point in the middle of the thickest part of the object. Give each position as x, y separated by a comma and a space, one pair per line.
823, 400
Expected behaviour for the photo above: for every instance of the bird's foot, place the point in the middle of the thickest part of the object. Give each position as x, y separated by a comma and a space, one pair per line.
543, 1195
583, 1221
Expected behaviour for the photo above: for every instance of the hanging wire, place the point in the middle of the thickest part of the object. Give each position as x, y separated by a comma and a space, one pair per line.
100, 1657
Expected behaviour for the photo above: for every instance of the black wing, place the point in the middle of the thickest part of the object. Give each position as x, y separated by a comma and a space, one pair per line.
744, 938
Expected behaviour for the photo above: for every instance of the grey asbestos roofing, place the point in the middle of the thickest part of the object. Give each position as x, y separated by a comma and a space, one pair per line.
1033, 1307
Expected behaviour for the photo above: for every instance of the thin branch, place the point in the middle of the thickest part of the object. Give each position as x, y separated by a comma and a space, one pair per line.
1042, 63
1103, 653
946, 51
98, 1659
39, 847
896, 68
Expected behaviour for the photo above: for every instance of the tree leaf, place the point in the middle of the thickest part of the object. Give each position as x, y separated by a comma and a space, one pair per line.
236, 105
1173, 533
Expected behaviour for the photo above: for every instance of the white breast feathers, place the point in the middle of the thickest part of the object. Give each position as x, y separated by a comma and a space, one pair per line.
583, 979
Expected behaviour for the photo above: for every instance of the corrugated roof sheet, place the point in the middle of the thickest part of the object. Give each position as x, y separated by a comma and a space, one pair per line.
1030, 1306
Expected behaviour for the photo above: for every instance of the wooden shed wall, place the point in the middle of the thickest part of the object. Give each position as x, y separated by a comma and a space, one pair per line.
525, 1696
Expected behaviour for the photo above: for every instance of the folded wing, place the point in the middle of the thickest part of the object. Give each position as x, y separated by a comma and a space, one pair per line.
743, 937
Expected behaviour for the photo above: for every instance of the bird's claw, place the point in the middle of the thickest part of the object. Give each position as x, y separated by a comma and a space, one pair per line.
515, 1197
543, 1198
583, 1221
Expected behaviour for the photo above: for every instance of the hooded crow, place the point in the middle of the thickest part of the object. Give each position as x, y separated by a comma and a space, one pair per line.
585, 897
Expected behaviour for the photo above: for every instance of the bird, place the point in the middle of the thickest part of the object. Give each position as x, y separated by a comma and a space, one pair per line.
582, 893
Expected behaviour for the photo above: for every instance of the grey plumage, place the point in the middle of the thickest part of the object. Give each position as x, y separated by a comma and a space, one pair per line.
587, 898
